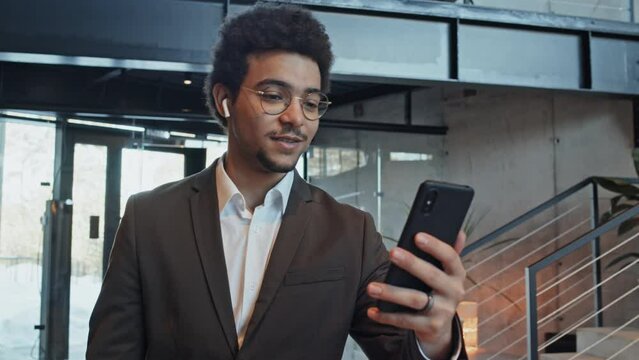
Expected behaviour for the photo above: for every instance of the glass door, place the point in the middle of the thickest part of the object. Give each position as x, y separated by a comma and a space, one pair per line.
107, 169
144, 169
26, 174
47, 294
87, 240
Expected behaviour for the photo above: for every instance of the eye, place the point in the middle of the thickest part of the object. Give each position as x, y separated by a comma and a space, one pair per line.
312, 101
311, 105
273, 96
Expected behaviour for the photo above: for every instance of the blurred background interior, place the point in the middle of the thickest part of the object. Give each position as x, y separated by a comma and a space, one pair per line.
531, 102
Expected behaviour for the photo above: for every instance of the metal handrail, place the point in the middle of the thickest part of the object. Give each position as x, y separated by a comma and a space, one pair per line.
523, 238
512, 264
487, 239
544, 289
532, 270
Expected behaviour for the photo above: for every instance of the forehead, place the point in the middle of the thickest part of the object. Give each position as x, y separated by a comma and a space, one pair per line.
299, 72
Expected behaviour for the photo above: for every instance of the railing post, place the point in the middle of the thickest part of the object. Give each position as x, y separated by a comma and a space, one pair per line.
531, 313
596, 252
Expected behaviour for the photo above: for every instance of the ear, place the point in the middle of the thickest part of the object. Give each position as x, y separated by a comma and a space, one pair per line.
222, 98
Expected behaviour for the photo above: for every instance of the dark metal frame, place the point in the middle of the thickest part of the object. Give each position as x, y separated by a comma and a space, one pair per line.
204, 125
56, 278
372, 126
196, 59
456, 16
435, 9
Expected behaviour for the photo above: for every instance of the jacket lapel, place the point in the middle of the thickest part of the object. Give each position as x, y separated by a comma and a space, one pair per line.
290, 235
206, 225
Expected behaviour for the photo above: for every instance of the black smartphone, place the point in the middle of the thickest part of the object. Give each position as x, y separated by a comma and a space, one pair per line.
439, 209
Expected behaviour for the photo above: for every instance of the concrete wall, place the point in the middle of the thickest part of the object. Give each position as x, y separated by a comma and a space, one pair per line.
519, 148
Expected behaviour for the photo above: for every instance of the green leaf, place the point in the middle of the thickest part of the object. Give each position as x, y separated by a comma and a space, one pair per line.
615, 200
621, 208
605, 217
617, 186
624, 257
627, 225
632, 197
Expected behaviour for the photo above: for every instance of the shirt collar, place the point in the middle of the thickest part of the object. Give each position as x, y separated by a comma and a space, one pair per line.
226, 189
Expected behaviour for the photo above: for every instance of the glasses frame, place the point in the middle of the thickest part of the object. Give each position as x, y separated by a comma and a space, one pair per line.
261, 94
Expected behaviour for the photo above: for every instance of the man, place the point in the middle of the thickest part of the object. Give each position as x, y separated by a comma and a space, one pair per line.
245, 260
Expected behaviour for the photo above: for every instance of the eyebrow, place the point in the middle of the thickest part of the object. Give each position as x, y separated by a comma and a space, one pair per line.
284, 85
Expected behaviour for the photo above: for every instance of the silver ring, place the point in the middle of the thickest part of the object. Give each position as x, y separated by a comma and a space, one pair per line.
429, 305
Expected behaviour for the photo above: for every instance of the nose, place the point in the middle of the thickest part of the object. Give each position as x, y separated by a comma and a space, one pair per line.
293, 115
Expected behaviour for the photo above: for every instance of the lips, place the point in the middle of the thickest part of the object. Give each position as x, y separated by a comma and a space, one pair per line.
287, 139
287, 143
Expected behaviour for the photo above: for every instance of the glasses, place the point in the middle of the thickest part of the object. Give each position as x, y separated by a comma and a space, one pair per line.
276, 99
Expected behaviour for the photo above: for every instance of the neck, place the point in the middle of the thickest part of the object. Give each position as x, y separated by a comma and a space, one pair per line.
252, 183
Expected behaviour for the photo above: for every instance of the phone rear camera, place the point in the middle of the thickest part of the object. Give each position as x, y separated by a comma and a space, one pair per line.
429, 202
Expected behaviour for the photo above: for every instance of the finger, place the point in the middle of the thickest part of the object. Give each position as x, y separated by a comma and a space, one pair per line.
410, 298
422, 324
400, 320
443, 252
460, 242
428, 273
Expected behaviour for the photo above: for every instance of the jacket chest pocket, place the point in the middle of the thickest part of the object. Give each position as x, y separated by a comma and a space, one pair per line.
314, 276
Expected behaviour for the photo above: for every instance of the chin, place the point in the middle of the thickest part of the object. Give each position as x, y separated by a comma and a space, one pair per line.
273, 165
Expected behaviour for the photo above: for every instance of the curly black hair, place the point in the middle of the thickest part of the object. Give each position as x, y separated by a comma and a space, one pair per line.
264, 28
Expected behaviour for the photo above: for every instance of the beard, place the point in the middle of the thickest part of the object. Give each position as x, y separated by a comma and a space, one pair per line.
271, 165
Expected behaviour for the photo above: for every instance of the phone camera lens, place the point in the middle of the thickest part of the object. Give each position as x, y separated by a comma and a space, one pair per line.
429, 202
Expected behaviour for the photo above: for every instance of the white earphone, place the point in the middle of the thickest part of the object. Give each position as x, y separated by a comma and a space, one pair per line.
225, 107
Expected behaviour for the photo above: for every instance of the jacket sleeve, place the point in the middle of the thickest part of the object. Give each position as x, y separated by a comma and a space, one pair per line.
116, 327
377, 340
380, 341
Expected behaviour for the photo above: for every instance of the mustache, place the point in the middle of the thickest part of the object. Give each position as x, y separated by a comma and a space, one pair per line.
289, 131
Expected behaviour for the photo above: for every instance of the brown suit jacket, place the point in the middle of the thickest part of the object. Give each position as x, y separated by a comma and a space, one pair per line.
166, 293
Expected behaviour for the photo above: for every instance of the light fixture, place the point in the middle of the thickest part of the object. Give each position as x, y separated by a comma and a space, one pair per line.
83, 114
467, 311
187, 79
217, 137
25, 115
182, 134
160, 134
106, 125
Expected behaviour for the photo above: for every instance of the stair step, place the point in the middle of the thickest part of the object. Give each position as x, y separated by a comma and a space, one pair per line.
566, 356
608, 347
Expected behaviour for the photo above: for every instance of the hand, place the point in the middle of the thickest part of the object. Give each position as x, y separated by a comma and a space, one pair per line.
433, 327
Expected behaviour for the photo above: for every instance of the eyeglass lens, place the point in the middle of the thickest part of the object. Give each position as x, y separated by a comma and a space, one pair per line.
275, 100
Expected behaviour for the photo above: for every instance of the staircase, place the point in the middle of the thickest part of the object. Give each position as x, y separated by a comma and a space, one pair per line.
549, 276
609, 343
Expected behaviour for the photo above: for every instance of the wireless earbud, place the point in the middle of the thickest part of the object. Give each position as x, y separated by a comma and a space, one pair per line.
225, 107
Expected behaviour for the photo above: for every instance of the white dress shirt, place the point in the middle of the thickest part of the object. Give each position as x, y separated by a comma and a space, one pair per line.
248, 240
